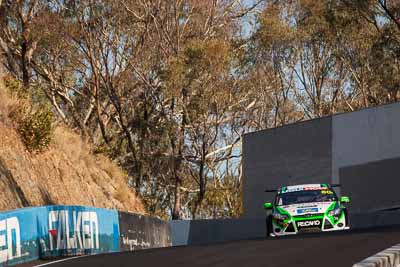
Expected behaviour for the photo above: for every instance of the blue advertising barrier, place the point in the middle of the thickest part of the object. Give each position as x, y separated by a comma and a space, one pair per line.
51, 231
18, 236
76, 230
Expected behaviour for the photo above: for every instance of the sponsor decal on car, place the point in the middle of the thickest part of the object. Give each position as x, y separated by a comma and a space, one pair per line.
303, 188
307, 210
309, 223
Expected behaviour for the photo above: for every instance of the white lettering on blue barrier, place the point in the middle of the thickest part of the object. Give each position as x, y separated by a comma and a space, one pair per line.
7, 228
85, 232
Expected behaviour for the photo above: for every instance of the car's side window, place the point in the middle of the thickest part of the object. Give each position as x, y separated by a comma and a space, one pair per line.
278, 200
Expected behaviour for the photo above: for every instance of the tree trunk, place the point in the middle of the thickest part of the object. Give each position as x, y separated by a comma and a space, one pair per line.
12, 66
203, 184
24, 65
177, 164
177, 204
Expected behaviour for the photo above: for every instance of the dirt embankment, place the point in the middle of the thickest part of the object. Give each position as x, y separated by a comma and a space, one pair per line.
66, 173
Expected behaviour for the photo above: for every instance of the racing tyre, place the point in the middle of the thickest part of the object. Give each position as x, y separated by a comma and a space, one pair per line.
346, 217
268, 223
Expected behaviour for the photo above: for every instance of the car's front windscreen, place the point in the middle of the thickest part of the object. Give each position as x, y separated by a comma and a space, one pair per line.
305, 196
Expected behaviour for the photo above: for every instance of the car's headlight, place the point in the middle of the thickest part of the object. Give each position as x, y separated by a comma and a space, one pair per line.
278, 216
335, 212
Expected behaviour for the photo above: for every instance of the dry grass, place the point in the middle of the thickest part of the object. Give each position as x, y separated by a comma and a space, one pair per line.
66, 173
7, 104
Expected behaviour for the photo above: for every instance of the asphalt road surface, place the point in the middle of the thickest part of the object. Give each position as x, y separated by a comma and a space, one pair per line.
333, 249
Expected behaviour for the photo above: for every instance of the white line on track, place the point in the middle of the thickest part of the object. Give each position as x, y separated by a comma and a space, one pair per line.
67, 259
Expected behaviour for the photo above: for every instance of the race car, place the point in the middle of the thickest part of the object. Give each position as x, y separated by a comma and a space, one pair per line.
306, 208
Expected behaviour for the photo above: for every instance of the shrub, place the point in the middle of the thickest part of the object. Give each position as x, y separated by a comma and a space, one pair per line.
33, 120
35, 128
15, 87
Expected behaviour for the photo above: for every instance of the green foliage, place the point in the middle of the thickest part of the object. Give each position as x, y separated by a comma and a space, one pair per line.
223, 199
35, 128
385, 60
34, 94
197, 69
15, 87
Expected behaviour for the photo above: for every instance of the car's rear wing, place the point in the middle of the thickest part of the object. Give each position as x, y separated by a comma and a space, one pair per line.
271, 190
276, 190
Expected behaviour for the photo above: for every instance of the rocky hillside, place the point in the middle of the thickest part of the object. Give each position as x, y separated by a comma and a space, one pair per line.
65, 173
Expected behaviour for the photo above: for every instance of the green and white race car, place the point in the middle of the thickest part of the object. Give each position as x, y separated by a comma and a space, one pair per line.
306, 208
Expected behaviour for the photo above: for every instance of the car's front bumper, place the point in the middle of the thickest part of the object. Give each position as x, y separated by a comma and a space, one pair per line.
308, 223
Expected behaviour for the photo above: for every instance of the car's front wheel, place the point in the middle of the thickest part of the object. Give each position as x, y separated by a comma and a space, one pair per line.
268, 224
346, 218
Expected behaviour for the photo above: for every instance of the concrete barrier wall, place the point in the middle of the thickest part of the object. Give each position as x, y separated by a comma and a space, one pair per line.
297, 153
180, 232
53, 231
374, 219
141, 232
364, 136
372, 186
198, 232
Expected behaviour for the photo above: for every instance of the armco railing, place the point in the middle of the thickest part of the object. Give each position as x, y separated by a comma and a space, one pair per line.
53, 231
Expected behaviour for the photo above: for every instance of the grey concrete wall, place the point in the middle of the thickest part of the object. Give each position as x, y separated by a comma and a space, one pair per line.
212, 231
365, 136
142, 232
180, 230
374, 219
373, 186
293, 154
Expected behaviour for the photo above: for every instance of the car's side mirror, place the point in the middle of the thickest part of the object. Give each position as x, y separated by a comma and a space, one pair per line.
268, 206
344, 199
